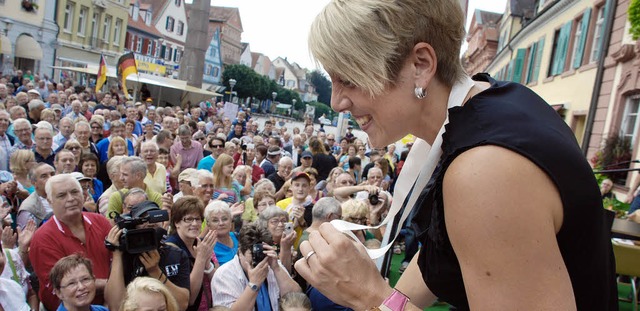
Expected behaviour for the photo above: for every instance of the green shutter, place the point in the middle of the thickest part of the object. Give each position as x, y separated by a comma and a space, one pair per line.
604, 26
538, 60
560, 56
577, 61
509, 71
530, 64
518, 62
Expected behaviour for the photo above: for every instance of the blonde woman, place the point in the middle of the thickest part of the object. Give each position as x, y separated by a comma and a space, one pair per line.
75, 148
117, 147
225, 188
513, 197
148, 294
20, 163
357, 212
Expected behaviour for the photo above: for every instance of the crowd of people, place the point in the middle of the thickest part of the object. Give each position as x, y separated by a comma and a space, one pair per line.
110, 204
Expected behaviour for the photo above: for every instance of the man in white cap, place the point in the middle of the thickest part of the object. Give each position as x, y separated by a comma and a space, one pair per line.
188, 181
34, 94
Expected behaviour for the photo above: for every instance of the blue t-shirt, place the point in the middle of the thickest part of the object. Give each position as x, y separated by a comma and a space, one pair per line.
103, 149
225, 253
93, 308
206, 163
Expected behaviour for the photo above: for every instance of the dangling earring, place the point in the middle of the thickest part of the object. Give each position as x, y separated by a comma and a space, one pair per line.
420, 92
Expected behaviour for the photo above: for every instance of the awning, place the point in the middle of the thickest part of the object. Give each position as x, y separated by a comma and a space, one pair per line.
283, 106
28, 47
5, 45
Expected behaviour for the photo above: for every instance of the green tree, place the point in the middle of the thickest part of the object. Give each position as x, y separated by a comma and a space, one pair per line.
322, 85
245, 77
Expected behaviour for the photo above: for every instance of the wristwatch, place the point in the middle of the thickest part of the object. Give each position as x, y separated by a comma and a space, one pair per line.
397, 301
253, 287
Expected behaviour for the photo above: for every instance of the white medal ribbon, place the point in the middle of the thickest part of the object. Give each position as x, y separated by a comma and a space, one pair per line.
415, 171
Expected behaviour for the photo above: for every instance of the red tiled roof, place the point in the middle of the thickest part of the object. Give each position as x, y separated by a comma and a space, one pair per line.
221, 13
140, 25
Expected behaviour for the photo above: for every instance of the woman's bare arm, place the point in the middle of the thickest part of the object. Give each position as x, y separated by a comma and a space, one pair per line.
502, 214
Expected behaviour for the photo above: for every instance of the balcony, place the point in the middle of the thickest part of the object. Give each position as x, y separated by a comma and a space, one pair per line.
98, 43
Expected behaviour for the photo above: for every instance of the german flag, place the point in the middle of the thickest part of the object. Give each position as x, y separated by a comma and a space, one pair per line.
102, 73
126, 66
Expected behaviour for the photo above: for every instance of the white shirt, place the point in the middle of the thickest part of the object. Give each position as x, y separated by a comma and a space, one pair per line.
229, 282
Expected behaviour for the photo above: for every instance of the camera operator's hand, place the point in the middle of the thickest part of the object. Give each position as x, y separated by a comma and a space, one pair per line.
271, 255
258, 274
113, 236
371, 189
287, 239
150, 260
204, 248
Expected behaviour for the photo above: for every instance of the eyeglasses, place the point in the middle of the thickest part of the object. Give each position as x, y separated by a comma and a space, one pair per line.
207, 186
276, 222
217, 146
357, 220
191, 220
73, 285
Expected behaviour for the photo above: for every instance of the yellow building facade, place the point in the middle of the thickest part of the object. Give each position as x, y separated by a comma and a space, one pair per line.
556, 54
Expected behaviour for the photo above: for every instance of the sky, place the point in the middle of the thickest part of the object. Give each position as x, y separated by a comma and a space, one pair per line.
280, 27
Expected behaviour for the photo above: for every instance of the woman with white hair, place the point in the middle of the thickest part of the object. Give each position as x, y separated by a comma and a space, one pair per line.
113, 169
219, 220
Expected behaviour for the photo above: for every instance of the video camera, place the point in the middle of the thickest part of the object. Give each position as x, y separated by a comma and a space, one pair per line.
136, 241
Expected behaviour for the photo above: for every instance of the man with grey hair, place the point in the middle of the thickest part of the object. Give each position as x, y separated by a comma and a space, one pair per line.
22, 129
66, 129
75, 112
133, 171
82, 132
43, 150
69, 231
4, 93
325, 210
187, 148
36, 206
35, 108
285, 166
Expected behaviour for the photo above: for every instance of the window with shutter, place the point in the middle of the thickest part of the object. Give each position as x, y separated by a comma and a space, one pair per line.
560, 56
531, 62
581, 38
536, 67
518, 64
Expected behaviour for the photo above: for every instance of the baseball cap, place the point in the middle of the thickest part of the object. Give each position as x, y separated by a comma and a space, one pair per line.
79, 176
306, 154
149, 99
56, 107
301, 175
143, 207
190, 175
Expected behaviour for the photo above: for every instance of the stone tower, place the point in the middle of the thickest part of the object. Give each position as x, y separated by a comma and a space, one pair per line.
192, 64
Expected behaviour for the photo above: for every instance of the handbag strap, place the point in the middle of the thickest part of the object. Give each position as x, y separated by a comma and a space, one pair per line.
13, 267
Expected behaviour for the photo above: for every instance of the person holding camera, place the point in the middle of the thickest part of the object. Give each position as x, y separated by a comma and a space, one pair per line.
253, 279
168, 264
186, 223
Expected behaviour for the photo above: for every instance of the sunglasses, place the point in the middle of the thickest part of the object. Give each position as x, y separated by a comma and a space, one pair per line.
217, 146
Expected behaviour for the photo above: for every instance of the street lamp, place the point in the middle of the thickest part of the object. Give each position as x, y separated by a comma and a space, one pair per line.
293, 106
273, 94
232, 83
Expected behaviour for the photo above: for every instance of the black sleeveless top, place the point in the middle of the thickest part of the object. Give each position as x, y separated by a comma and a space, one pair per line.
511, 116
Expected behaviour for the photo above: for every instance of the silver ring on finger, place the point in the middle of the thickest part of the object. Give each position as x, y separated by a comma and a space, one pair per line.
311, 253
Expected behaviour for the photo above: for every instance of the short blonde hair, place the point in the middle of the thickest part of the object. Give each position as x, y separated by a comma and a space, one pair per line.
366, 42
116, 140
354, 209
18, 161
143, 284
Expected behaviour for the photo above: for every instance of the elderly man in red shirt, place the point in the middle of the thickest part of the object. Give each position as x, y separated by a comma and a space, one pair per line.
188, 149
69, 231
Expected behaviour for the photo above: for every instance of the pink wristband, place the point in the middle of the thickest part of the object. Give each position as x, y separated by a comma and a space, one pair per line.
397, 301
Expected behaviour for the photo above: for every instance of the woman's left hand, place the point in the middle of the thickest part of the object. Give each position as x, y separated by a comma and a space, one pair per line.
237, 209
341, 269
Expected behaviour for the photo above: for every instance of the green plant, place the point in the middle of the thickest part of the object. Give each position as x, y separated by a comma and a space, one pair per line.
615, 154
634, 18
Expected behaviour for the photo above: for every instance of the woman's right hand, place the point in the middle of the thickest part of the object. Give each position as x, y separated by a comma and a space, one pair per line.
204, 248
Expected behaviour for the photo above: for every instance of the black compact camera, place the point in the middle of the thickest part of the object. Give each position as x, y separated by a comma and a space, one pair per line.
257, 254
373, 199
136, 241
